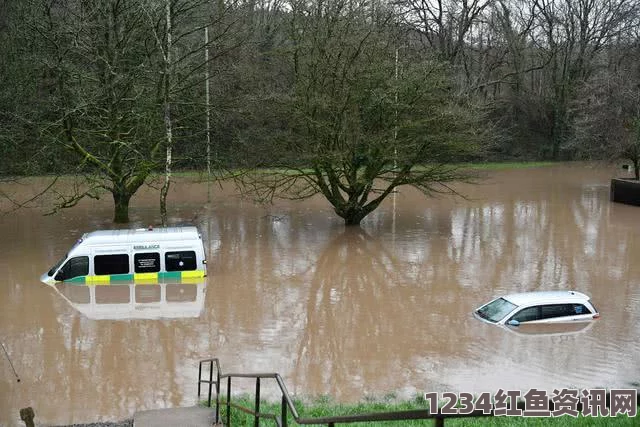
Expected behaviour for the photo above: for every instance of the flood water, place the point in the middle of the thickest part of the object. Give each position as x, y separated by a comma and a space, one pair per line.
384, 309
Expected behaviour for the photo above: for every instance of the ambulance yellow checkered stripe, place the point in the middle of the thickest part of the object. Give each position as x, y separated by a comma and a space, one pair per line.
142, 278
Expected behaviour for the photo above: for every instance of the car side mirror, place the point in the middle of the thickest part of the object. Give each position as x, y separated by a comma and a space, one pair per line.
513, 322
60, 276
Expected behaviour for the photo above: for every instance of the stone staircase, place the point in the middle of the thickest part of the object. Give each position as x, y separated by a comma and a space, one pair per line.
194, 416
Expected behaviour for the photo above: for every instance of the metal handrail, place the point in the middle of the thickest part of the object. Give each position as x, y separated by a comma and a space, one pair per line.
288, 405
211, 382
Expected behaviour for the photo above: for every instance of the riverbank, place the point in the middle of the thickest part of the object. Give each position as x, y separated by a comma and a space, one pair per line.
324, 407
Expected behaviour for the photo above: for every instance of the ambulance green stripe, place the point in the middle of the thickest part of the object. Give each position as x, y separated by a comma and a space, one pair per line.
170, 275
121, 277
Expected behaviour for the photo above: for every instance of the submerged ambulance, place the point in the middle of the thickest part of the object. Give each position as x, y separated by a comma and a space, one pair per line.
145, 255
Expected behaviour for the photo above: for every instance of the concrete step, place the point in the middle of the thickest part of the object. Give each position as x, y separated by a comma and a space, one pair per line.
194, 416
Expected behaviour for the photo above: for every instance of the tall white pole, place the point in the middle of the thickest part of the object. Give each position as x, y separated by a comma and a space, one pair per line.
395, 151
207, 99
395, 129
208, 110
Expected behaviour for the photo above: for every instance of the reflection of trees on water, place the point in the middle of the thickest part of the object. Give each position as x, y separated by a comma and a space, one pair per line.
544, 240
365, 320
256, 256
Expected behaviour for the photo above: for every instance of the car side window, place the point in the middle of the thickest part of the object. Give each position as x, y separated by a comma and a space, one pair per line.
527, 314
579, 309
557, 310
77, 266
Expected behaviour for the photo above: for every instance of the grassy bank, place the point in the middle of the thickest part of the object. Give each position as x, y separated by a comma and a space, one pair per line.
324, 407
202, 175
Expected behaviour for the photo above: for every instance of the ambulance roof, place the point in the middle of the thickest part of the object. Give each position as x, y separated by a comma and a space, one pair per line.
141, 235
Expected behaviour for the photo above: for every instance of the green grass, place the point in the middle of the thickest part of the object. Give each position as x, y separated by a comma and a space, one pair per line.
325, 407
506, 165
202, 175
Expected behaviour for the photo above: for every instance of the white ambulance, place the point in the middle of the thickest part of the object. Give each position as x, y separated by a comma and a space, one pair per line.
146, 255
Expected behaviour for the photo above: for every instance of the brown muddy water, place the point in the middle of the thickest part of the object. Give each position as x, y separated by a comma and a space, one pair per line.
342, 312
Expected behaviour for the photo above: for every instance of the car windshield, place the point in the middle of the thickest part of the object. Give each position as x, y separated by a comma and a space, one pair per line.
55, 267
496, 310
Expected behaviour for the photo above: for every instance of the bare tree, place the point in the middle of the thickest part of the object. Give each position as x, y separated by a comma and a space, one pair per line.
93, 53
445, 25
108, 90
353, 131
571, 34
608, 116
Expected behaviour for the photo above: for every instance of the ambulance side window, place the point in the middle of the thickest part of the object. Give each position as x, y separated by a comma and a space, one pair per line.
180, 261
76, 266
146, 262
111, 264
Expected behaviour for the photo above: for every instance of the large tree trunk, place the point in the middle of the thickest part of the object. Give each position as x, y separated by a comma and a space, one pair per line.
121, 201
353, 219
352, 215
356, 208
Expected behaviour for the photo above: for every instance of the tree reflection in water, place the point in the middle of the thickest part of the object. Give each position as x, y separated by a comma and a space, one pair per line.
361, 306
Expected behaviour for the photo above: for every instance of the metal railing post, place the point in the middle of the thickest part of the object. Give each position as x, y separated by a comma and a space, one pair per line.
256, 419
199, 378
228, 401
283, 412
217, 394
210, 378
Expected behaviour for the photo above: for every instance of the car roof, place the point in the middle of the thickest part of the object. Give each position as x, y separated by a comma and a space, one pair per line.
546, 297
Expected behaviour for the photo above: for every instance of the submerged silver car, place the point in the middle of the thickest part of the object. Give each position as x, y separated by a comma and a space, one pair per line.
538, 307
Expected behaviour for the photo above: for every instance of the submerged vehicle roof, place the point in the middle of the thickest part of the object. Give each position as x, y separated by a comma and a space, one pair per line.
550, 297
141, 235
